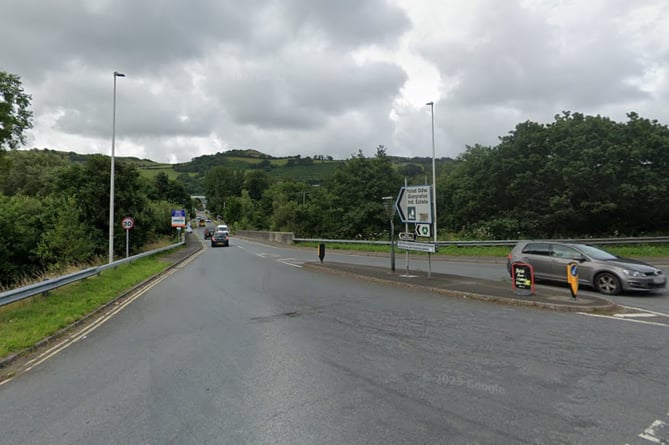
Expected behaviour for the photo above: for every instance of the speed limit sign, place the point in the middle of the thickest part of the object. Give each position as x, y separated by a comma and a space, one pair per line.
128, 223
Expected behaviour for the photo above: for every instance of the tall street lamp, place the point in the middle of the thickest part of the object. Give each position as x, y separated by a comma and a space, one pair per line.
434, 176
111, 181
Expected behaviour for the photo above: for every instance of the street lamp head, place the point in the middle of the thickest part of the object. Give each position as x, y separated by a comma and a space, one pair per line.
430, 103
386, 198
117, 74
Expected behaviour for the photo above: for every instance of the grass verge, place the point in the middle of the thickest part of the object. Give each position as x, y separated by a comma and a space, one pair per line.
491, 251
25, 323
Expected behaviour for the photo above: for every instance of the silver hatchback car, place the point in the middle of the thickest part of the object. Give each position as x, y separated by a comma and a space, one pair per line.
602, 270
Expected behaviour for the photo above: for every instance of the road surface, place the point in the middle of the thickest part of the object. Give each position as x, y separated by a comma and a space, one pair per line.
243, 346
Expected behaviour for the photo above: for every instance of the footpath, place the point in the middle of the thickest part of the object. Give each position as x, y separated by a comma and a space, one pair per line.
554, 297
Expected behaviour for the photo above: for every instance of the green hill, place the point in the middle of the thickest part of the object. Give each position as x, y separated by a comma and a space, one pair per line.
191, 174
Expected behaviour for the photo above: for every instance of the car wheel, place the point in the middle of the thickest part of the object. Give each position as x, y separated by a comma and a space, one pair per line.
607, 283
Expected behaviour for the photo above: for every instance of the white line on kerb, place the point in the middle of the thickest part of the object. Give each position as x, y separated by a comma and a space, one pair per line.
624, 319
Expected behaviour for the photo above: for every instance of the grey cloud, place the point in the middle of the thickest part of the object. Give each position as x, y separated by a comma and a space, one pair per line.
349, 22
517, 58
144, 35
203, 69
303, 90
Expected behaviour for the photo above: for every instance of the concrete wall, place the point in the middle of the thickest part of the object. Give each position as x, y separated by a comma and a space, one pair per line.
277, 237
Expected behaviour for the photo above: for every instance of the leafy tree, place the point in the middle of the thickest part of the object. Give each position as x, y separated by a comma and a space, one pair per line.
172, 191
256, 182
21, 226
411, 170
221, 184
31, 172
64, 238
15, 116
577, 176
248, 211
354, 208
89, 184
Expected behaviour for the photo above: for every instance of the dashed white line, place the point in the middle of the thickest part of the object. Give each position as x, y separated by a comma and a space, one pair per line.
267, 255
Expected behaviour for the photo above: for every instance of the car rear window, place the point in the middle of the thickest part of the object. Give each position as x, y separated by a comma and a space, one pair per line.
537, 249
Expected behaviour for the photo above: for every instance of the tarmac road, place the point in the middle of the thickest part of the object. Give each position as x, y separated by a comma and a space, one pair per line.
242, 345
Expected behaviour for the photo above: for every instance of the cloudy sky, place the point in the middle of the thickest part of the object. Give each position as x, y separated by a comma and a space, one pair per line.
311, 77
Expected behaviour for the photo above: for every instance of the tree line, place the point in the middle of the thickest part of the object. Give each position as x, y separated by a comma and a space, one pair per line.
54, 213
577, 176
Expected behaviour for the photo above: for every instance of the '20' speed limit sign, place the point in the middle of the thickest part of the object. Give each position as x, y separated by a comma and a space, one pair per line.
128, 223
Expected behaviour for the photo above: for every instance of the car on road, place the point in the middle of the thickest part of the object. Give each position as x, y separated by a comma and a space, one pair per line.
220, 238
222, 228
605, 272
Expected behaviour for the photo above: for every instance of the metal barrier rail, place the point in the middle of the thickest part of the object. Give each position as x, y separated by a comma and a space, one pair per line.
341, 241
45, 286
507, 243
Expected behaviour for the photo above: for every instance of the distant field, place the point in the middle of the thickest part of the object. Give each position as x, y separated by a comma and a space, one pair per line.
153, 170
318, 171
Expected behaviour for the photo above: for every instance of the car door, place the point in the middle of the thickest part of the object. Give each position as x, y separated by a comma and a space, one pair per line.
538, 255
561, 256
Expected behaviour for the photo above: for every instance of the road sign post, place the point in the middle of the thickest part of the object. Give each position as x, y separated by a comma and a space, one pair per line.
127, 223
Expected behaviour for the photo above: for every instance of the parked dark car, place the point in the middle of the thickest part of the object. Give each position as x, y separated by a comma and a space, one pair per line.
220, 239
605, 272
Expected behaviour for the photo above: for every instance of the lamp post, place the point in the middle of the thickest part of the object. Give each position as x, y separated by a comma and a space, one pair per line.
434, 176
390, 211
111, 180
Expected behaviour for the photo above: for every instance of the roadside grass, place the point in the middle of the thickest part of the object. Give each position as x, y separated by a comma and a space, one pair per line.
633, 251
640, 251
492, 251
27, 322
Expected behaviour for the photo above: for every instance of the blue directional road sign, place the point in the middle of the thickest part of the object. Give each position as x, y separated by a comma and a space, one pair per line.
178, 218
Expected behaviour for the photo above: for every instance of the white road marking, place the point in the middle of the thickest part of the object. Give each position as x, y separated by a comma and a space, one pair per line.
267, 255
650, 433
291, 262
624, 319
73, 338
661, 314
641, 315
